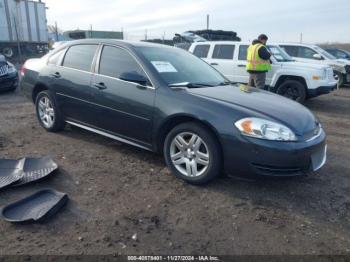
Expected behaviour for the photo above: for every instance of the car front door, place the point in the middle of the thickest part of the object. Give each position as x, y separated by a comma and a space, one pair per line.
71, 81
124, 108
222, 60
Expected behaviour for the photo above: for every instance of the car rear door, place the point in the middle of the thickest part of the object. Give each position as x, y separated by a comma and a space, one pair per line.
71, 81
222, 59
201, 51
240, 70
124, 108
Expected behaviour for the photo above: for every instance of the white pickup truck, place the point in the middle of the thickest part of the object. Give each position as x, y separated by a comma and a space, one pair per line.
316, 55
295, 80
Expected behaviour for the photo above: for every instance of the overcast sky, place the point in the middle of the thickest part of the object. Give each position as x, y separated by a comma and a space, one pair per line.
318, 20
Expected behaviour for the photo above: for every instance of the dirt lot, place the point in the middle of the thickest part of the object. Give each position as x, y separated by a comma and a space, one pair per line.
117, 191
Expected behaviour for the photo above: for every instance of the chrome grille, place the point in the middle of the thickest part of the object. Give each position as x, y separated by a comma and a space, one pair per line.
3, 69
330, 73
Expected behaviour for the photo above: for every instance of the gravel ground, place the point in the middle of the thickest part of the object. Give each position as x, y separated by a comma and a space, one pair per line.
124, 200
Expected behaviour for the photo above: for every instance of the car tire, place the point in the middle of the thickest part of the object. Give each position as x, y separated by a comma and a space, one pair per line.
340, 78
292, 89
199, 159
48, 114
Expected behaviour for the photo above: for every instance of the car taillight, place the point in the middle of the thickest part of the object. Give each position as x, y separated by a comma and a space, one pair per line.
23, 70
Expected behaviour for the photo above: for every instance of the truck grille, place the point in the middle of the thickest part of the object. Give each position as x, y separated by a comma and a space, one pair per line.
330, 73
347, 68
3, 69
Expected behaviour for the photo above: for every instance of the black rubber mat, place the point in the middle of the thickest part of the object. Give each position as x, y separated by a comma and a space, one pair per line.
37, 207
11, 171
35, 169
25, 170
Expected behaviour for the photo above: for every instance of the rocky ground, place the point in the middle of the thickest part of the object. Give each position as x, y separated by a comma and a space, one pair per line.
124, 200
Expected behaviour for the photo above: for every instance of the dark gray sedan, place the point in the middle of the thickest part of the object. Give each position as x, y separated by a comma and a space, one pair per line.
166, 100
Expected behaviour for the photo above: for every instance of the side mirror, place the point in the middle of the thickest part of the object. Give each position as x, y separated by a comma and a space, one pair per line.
317, 57
134, 77
2, 58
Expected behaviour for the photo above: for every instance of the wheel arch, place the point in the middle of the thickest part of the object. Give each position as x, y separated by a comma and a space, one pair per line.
282, 78
39, 87
175, 120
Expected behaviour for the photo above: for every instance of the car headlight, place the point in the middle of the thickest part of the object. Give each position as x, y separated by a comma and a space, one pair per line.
11, 68
264, 129
320, 76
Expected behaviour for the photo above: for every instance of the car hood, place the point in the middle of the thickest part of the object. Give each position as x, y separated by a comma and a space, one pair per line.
301, 65
343, 61
259, 103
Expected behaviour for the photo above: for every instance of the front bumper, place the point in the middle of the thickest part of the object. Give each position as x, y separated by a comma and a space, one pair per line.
274, 158
321, 90
9, 81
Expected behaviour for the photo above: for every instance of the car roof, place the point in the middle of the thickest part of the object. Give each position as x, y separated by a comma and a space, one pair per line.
297, 44
115, 42
229, 43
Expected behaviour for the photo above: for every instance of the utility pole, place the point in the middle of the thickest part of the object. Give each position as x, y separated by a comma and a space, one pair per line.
146, 34
301, 38
56, 31
207, 22
163, 37
90, 31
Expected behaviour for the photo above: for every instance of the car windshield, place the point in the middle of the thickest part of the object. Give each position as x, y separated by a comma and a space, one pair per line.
180, 68
279, 54
325, 53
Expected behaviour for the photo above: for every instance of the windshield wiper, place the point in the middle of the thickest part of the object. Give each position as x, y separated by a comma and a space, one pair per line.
190, 85
226, 83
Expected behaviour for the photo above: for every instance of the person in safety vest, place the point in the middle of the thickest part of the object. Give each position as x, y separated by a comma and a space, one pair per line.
258, 62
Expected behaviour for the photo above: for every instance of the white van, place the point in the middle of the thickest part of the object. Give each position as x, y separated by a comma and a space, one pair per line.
315, 54
295, 80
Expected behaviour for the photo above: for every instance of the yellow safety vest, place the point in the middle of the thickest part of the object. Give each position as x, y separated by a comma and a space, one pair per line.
254, 62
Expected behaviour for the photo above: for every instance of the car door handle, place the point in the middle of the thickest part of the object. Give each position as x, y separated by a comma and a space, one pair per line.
241, 65
100, 85
56, 75
214, 63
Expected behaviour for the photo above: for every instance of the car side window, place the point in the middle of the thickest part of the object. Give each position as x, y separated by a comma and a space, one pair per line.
80, 57
56, 58
242, 54
306, 52
290, 50
201, 51
223, 51
341, 54
116, 61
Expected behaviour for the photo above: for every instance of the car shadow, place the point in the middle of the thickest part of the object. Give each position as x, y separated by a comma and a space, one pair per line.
317, 196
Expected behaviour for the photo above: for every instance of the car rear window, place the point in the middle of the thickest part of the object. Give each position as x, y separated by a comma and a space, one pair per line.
223, 51
201, 51
80, 57
55, 58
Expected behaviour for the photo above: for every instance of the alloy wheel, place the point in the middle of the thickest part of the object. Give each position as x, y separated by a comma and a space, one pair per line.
46, 112
189, 154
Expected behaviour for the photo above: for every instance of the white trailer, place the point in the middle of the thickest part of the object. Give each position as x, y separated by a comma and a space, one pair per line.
23, 27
